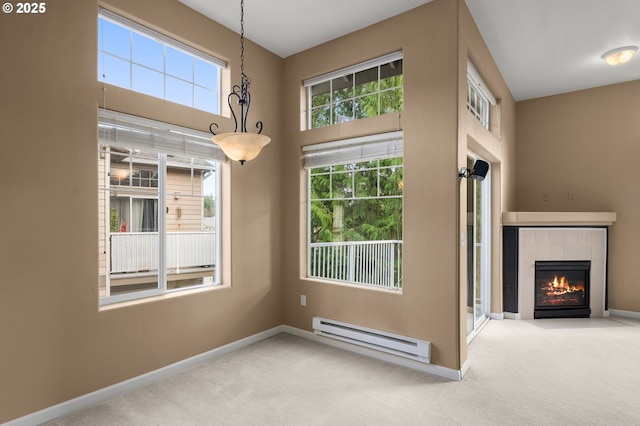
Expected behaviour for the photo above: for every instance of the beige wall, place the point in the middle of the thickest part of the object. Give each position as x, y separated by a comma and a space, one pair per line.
587, 143
427, 307
57, 343
497, 145
434, 39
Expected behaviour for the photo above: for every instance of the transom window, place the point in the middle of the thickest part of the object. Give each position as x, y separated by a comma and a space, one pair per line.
125, 176
478, 96
355, 199
137, 58
364, 90
159, 221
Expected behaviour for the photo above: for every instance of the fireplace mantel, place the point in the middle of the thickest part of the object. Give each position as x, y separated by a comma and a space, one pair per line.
558, 218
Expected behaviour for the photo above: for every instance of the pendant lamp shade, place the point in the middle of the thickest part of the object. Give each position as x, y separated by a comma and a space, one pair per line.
241, 146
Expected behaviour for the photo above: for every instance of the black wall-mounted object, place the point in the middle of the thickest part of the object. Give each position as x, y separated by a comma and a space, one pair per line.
478, 171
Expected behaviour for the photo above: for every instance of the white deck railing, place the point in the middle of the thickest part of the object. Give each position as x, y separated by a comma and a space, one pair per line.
375, 263
138, 251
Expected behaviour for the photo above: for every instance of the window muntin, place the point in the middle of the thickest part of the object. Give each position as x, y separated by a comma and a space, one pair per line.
366, 90
137, 58
354, 216
159, 212
477, 103
132, 174
479, 97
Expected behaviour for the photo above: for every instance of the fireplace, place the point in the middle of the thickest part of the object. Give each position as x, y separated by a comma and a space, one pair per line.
562, 289
559, 236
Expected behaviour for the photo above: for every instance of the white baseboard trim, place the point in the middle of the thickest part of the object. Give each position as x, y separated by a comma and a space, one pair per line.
465, 368
624, 314
436, 370
496, 316
511, 315
103, 394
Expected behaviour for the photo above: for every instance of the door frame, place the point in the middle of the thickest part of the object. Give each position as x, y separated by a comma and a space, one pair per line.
478, 320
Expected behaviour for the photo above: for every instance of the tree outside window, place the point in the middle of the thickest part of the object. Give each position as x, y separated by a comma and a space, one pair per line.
355, 215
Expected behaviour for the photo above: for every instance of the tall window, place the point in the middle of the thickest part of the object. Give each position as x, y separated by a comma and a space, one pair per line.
478, 96
158, 189
364, 90
355, 199
142, 60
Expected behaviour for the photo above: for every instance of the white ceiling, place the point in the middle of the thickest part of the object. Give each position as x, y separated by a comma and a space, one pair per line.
286, 27
542, 47
546, 47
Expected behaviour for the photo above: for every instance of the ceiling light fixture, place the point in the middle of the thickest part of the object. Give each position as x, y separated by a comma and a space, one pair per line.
241, 146
620, 55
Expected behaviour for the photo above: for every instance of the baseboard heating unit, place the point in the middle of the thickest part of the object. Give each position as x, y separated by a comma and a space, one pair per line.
408, 347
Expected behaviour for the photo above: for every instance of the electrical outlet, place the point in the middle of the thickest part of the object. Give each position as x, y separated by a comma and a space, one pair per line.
545, 196
303, 300
571, 196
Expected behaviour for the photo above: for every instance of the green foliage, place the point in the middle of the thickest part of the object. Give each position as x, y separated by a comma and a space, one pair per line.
209, 206
347, 102
322, 222
114, 220
357, 202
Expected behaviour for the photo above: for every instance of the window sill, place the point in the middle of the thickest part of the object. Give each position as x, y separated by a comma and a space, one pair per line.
106, 306
395, 291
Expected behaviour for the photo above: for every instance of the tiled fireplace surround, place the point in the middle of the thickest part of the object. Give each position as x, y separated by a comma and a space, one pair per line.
560, 236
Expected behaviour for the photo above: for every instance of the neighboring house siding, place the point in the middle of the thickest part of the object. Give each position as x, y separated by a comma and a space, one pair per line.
103, 218
185, 213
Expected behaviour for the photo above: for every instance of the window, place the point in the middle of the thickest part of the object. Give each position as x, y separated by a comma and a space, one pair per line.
478, 96
158, 189
142, 60
365, 90
355, 195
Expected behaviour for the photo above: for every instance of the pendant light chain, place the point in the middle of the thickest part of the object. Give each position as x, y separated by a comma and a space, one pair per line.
244, 80
242, 40
243, 77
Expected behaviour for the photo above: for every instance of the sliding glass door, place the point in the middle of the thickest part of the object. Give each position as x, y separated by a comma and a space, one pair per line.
478, 254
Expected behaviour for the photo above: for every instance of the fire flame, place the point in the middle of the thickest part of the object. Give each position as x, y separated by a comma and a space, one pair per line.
561, 286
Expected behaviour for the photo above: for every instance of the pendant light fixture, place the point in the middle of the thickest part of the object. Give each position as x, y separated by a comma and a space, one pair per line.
240, 146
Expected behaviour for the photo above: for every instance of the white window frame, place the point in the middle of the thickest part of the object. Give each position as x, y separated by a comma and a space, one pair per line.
478, 96
348, 151
130, 132
344, 72
166, 42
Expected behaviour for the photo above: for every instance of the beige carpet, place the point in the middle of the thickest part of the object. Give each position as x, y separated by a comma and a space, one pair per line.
542, 372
